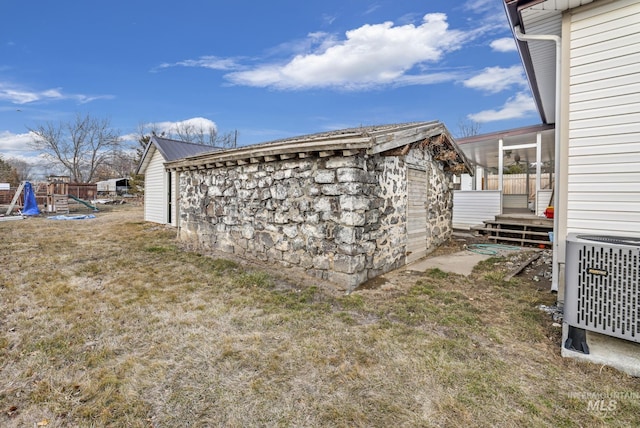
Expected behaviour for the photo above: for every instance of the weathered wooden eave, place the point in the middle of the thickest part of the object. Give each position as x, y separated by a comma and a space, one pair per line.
384, 139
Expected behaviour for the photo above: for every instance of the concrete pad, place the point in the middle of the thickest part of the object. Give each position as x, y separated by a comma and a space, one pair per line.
461, 263
606, 350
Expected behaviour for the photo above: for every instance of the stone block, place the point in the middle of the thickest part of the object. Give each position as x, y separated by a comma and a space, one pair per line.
279, 192
274, 254
346, 280
345, 162
351, 188
354, 203
348, 264
352, 218
290, 231
345, 235
282, 245
306, 261
352, 175
325, 176
313, 230
291, 257
265, 182
245, 195
248, 232
215, 191
281, 217
321, 262
314, 190
265, 239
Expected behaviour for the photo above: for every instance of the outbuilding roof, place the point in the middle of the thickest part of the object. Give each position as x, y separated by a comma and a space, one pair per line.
170, 150
371, 139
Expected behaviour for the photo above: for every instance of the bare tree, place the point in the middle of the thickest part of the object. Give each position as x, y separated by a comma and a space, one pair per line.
8, 173
228, 140
23, 168
196, 134
188, 132
81, 146
468, 128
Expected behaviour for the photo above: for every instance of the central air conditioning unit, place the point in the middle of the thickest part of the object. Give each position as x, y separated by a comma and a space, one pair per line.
602, 292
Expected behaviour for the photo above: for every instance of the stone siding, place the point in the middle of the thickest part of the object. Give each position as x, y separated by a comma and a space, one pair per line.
341, 218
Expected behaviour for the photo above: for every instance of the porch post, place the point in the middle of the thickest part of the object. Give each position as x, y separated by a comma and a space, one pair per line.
500, 163
538, 168
500, 173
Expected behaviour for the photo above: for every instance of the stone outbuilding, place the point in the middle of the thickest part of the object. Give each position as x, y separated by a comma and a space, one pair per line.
345, 206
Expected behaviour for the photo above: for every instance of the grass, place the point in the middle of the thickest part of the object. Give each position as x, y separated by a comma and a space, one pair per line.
107, 322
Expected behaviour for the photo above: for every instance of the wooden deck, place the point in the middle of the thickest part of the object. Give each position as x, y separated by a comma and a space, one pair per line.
518, 229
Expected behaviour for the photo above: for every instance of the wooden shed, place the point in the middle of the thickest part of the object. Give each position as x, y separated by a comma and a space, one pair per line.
345, 205
160, 184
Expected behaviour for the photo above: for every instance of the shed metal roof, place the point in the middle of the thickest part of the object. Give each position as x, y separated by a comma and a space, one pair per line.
170, 150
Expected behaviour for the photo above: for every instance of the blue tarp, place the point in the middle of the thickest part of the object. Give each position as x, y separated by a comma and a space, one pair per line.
71, 217
30, 204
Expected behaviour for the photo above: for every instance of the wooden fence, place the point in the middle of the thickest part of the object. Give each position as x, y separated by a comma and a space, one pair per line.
516, 184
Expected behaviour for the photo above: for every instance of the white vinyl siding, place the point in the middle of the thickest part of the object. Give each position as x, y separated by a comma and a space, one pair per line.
155, 191
471, 208
603, 188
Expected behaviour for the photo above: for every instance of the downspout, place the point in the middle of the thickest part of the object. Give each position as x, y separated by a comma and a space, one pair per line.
556, 171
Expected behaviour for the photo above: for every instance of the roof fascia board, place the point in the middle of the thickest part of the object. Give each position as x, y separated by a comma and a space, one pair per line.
391, 141
505, 134
513, 10
271, 150
146, 157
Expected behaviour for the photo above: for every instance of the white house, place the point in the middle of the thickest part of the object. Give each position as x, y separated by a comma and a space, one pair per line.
160, 185
582, 60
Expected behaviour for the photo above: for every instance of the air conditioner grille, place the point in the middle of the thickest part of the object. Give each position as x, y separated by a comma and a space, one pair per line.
603, 290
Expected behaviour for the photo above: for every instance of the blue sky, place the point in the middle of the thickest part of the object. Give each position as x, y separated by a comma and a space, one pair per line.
269, 70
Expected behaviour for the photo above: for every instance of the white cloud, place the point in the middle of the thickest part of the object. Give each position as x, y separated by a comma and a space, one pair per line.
196, 123
427, 79
11, 142
497, 79
210, 62
505, 44
18, 95
370, 56
521, 105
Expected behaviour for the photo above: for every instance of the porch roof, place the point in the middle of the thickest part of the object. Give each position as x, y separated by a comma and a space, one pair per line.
483, 150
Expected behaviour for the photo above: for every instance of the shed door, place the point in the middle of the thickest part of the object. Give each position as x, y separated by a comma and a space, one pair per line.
417, 188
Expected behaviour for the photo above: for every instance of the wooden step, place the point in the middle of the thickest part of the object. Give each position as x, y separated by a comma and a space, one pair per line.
516, 231
521, 240
523, 233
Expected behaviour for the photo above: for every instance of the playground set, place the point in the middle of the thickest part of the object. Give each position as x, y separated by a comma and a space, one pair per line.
55, 199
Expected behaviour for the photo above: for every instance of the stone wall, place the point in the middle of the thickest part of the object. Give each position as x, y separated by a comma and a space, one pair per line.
340, 218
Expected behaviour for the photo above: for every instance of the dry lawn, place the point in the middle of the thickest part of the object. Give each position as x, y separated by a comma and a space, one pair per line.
107, 322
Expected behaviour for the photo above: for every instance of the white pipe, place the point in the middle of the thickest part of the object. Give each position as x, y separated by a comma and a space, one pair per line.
556, 171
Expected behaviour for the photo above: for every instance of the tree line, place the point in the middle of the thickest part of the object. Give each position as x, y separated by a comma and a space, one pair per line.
89, 149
